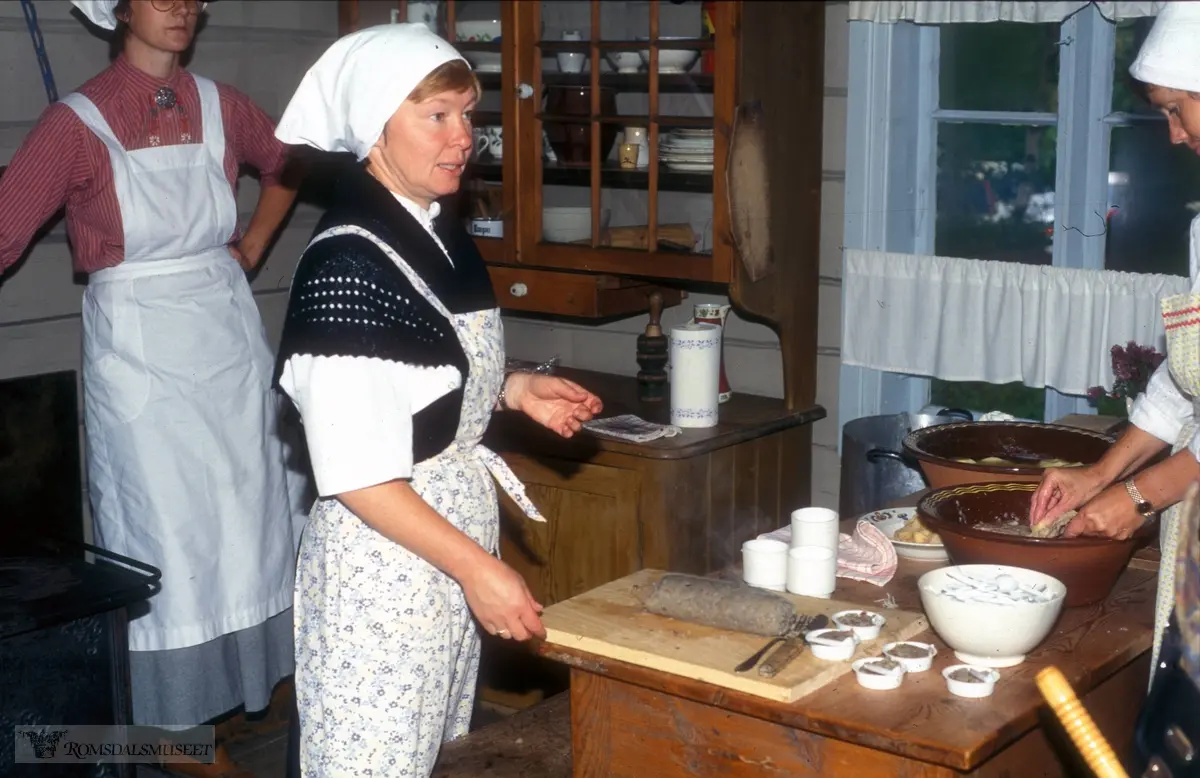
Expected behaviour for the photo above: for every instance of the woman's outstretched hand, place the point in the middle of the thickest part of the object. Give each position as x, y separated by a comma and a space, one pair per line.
556, 403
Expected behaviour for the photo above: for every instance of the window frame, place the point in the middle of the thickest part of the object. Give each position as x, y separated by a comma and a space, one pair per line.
891, 157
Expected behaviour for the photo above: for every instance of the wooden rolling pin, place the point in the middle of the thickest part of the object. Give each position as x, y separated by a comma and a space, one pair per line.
1079, 725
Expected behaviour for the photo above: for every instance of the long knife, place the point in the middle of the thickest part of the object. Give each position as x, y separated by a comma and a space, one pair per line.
787, 652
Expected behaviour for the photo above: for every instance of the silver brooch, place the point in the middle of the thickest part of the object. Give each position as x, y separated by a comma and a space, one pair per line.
165, 97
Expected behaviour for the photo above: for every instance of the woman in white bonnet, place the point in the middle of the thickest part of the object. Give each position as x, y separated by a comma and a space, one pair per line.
1116, 496
393, 353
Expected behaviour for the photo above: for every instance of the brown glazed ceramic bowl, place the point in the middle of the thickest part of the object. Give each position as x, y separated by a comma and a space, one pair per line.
936, 449
1088, 566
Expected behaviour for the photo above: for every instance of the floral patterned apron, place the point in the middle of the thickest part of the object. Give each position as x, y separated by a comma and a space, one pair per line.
387, 654
1181, 320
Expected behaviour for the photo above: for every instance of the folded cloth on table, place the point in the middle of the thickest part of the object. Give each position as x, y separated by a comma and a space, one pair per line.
867, 555
632, 428
784, 534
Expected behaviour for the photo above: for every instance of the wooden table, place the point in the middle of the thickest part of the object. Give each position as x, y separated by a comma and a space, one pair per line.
628, 721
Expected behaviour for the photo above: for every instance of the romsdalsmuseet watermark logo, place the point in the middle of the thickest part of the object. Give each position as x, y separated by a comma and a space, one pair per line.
66, 744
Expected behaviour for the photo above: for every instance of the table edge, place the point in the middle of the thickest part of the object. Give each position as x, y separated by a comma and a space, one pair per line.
846, 731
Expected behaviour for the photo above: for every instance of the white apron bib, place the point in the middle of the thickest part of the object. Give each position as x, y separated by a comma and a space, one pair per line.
185, 471
1181, 320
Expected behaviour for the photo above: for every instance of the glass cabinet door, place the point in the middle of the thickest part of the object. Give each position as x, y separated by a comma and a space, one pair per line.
620, 99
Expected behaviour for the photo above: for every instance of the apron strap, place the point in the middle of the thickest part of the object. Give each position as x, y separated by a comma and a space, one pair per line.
213, 122
91, 117
508, 481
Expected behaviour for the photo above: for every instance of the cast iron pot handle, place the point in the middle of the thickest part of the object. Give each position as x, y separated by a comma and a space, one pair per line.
957, 412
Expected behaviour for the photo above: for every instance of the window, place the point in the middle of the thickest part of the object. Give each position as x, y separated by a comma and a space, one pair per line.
1006, 116
996, 123
1154, 187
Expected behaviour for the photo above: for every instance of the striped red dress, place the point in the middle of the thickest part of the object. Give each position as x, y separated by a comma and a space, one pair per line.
62, 163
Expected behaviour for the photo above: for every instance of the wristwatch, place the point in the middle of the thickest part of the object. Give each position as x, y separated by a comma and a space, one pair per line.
1140, 503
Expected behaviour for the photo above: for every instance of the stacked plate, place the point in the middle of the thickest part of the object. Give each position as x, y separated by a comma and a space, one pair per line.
687, 150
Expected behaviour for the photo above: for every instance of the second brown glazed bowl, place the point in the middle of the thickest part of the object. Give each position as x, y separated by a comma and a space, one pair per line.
936, 449
1089, 566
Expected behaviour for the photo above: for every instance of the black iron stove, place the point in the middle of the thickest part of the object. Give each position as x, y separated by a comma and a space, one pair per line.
63, 654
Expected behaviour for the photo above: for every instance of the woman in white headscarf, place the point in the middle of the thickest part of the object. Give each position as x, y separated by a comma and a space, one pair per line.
1116, 496
393, 353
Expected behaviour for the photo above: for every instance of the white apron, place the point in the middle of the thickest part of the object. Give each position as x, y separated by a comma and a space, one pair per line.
185, 471
387, 653
1181, 320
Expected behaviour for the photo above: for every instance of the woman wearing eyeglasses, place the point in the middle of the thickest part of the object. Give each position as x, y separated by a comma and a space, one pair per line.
186, 470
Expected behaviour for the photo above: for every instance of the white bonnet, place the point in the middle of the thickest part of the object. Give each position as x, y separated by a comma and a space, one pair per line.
1170, 57
99, 12
102, 13
347, 97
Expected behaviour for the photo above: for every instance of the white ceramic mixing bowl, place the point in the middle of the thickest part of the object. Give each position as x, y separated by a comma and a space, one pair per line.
984, 633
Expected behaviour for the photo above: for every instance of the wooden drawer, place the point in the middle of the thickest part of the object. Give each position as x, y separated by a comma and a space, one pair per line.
583, 295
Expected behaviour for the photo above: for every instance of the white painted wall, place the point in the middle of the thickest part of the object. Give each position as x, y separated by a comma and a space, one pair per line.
262, 47
752, 355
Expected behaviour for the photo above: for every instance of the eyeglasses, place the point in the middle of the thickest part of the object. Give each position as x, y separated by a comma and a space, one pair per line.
191, 6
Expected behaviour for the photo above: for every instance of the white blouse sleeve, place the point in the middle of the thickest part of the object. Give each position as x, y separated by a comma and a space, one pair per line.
1162, 409
358, 416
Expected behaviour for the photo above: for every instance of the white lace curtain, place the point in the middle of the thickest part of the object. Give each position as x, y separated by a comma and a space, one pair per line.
934, 12
977, 320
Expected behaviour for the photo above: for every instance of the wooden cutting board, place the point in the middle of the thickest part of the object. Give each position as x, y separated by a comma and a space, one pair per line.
609, 621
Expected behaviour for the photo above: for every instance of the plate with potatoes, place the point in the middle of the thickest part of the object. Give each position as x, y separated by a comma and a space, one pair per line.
910, 538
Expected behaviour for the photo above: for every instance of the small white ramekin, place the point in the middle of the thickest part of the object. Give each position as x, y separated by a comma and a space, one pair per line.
911, 664
877, 681
863, 633
972, 688
836, 653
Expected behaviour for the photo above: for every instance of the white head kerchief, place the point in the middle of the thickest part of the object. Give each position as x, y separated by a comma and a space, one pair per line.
99, 12
348, 96
1170, 57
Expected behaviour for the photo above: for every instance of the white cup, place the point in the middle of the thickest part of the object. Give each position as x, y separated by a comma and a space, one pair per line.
571, 61
765, 563
815, 527
490, 140
811, 571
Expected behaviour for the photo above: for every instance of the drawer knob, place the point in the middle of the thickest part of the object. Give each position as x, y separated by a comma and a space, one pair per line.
524, 91
518, 289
